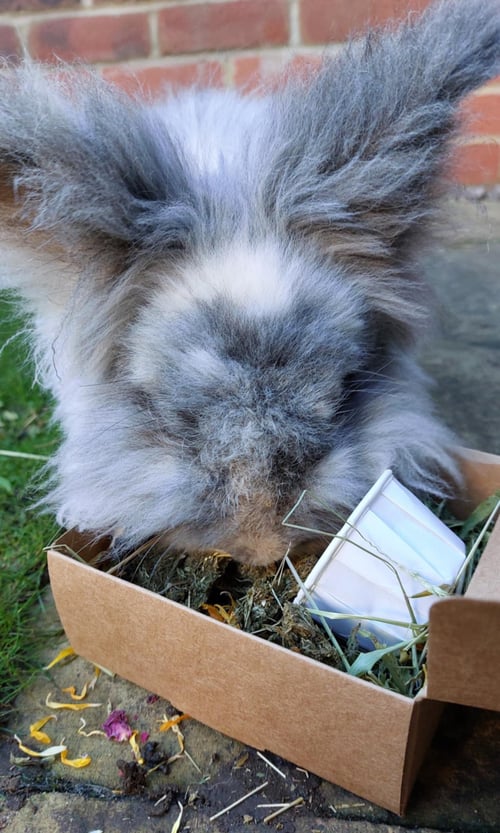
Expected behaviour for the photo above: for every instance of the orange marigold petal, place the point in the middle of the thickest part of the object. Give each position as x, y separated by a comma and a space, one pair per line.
71, 690
167, 724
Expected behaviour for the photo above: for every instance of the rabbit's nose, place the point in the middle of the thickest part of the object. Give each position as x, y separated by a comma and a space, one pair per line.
244, 554
257, 551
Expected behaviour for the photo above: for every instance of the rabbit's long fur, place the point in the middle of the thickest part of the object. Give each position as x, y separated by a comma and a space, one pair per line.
223, 291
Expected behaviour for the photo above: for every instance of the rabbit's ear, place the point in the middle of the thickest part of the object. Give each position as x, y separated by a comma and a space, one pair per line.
87, 168
361, 148
32, 262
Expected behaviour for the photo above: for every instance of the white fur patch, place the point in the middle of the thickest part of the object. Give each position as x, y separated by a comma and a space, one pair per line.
212, 126
252, 278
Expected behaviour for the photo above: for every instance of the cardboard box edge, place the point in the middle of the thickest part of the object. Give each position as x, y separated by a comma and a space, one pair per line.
391, 798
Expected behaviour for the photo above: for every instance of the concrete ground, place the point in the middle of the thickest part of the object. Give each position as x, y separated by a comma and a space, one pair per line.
458, 788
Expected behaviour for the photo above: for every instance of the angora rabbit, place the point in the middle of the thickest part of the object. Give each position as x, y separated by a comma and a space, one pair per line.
223, 292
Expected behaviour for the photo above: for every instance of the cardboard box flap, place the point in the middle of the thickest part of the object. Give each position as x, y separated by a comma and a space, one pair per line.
83, 546
485, 583
464, 652
481, 473
464, 644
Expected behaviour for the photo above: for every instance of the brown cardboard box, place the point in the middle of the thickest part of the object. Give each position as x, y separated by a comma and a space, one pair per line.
364, 738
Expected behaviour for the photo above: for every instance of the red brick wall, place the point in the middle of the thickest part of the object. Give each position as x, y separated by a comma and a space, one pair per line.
225, 42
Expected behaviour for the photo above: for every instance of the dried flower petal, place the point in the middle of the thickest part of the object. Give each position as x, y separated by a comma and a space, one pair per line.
81, 731
222, 613
167, 724
47, 753
213, 612
180, 737
64, 654
117, 727
35, 732
71, 706
41, 737
71, 690
135, 747
97, 674
76, 763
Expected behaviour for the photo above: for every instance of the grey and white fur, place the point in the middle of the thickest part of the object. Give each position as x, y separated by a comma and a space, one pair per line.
223, 290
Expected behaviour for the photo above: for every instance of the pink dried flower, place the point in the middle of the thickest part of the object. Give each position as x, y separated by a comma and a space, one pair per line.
116, 726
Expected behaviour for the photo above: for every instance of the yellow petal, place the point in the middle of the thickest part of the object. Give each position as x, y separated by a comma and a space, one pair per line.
213, 612
66, 652
35, 732
227, 613
41, 737
72, 706
167, 724
76, 763
47, 753
180, 737
135, 747
71, 690
222, 613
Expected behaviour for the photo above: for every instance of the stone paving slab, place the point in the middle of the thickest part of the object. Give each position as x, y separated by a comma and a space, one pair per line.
459, 786
457, 790
75, 814
464, 355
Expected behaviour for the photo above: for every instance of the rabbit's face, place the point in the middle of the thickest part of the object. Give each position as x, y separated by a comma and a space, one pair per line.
241, 368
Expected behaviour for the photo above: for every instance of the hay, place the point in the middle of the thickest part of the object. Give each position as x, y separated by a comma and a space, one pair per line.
259, 600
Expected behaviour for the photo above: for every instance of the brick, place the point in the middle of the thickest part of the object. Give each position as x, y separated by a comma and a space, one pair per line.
97, 38
120, 2
38, 5
476, 164
249, 72
305, 65
156, 80
10, 46
252, 71
481, 114
323, 21
238, 24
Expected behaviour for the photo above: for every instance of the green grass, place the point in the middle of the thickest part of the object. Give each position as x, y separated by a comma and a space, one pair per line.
24, 427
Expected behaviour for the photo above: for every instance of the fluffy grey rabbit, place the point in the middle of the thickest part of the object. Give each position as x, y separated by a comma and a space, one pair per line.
223, 292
